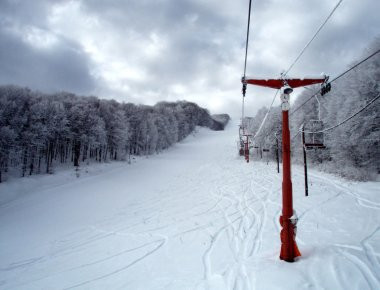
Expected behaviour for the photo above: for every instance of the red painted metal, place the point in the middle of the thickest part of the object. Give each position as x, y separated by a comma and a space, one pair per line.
279, 83
289, 249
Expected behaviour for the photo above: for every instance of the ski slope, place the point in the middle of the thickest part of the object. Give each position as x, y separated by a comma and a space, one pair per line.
193, 217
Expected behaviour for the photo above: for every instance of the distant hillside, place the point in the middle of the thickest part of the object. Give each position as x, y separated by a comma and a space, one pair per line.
221, 120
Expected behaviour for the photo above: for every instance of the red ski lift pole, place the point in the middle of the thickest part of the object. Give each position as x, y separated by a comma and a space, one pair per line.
288, 220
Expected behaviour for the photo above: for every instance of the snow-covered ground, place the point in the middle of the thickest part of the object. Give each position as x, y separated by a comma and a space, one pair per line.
194, 217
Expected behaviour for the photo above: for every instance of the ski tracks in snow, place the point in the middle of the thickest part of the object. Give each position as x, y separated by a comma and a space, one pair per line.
209, 226
360, 255
242, 199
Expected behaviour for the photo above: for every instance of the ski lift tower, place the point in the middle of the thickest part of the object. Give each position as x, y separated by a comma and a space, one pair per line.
241, 141
246, 146
288, 219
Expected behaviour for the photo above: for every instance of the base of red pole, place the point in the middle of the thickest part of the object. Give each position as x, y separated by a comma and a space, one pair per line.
289, 249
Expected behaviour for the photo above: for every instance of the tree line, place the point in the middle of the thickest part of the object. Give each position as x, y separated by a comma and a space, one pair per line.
39, 131
352, 149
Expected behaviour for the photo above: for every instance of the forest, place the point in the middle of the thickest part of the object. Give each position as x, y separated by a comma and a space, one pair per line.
39, 132
353, 148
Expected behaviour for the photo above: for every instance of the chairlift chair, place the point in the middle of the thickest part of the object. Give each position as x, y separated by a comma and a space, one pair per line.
314, 138
266, 151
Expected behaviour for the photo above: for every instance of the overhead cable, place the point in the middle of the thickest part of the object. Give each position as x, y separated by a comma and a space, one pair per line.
266, 115
336, 78
359, 63
347, 119
244, 89
294, 62
247, 40
315, 35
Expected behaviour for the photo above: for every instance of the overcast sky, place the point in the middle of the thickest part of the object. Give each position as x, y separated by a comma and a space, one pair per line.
145, 51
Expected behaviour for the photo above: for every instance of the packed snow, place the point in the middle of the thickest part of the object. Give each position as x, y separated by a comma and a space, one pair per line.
194, 217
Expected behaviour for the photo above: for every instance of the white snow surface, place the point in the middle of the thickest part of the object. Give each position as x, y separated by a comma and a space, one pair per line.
194, 217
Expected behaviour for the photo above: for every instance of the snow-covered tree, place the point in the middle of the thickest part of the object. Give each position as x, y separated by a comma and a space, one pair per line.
38, 131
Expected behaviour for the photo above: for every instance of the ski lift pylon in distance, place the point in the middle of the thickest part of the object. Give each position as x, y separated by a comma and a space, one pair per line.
240, 143
246, 146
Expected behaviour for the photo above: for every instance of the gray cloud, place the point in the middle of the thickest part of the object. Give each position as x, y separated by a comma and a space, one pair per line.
32, 55
65, 68
146, 51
